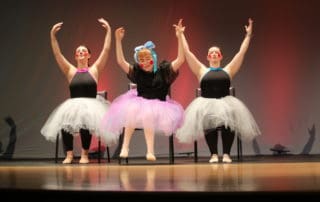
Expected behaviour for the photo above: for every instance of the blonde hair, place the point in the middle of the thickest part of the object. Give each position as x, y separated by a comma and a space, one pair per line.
144, 53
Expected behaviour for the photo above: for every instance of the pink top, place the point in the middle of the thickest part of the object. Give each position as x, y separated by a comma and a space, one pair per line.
86, 69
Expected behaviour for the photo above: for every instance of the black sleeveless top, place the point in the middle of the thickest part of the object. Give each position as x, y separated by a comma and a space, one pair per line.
215, 84
153, 85
83, 85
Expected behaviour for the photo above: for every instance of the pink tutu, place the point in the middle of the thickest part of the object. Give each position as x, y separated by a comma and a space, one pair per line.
130, 110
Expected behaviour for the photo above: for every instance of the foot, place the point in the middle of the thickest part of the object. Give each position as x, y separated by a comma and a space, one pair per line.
226, 158
84, 159
124, 153
67, 160
150, 157
214, 158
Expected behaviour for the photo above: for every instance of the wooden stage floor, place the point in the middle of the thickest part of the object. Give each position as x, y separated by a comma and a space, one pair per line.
266, 178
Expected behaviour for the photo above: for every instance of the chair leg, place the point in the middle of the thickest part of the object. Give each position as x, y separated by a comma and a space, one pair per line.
239, 149
195, 151
120, 160
57, 149
108, 154
240, 142
99, 150
171, 150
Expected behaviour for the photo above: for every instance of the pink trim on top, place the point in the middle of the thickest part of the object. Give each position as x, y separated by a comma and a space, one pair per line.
86, 69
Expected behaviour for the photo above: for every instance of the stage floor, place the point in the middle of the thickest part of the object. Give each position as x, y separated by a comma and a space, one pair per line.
279, 176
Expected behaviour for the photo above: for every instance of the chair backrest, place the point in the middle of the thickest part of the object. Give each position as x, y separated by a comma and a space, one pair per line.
232, 91
103, 94
134, 86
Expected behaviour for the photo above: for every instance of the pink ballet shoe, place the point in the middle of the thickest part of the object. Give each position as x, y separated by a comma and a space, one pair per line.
150, 157
214, 159
124, 153
67, 160
226, 158
84, 160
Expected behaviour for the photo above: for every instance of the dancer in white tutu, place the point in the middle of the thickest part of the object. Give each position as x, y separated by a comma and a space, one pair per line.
83, 112
216, 109
148, 107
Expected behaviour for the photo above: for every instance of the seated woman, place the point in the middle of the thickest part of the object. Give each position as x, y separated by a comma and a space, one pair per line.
148, 107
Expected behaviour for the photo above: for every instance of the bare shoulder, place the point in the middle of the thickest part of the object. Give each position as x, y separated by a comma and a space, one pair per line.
70, 74
94, 72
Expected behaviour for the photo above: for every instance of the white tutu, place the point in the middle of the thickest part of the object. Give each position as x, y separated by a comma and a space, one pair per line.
205, 113
75, 114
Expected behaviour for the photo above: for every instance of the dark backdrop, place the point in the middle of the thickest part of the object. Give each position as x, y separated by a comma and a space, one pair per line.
278, 80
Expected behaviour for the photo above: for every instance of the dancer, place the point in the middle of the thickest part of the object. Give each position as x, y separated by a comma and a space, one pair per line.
148, 106
83, 112
216, 109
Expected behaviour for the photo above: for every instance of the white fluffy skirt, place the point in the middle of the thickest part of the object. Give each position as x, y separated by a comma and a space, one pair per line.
75, 114
206, 113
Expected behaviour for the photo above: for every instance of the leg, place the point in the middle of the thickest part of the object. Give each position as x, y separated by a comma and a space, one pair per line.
67, 139
85, 141
117, 151
126, 141
211, 136
149, 136
227, 137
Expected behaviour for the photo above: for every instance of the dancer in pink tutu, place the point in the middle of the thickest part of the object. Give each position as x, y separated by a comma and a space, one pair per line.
148, 106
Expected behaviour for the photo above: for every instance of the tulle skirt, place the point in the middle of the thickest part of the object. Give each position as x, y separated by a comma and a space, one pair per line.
130, 110
75, 114
206, 113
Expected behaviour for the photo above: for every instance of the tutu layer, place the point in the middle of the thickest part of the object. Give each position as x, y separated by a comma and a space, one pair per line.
130, 110
75, 114
206, 113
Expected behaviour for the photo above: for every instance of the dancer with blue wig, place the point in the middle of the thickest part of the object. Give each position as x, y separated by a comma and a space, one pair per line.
148, 106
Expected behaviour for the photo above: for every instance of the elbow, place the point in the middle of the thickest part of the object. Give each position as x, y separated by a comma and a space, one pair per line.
119, 60
123, 65
181, 61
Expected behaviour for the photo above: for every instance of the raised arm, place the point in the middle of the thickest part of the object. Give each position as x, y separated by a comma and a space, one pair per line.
195, 65
63, 63
180, 58
119, 34
235, 64
100, 63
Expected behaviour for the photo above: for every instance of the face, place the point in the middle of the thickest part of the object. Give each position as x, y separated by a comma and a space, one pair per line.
214, 54
82, 53
145, 60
